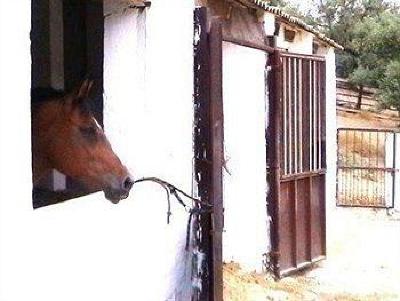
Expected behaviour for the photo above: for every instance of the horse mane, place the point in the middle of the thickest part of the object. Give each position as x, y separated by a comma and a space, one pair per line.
42, 96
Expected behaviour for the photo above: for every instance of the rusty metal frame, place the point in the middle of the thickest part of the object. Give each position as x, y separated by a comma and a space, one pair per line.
273, 134
357, 188
302, 56
296, 241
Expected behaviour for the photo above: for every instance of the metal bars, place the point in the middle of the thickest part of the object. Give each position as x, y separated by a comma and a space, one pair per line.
303, 97
298, 198
366, 167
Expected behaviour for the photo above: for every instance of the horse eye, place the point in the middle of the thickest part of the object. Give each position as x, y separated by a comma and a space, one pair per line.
88, 132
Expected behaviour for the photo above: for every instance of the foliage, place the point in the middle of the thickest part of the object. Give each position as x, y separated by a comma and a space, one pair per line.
389, 86
376, 45
338, 18
369, 30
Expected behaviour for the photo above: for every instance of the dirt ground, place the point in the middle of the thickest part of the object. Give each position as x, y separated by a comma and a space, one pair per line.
363, 264
366, 119
363, 246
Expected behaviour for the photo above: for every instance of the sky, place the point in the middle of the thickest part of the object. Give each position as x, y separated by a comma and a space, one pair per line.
305, 5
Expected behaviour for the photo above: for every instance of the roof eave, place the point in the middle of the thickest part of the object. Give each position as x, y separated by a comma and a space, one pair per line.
262, 4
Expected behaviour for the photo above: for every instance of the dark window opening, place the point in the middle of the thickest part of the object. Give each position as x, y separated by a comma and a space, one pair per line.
67, 48
289, 35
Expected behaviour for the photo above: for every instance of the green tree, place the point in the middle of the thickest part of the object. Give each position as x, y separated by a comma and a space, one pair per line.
368, 67
376, 44
389, 86
365, 28
337, 18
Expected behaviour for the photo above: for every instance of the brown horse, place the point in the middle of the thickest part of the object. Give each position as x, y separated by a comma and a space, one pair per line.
67, 137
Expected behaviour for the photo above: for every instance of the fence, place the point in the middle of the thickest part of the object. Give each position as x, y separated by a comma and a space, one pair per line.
366, 167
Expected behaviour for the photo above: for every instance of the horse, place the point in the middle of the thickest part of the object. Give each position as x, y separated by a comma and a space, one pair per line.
67, 137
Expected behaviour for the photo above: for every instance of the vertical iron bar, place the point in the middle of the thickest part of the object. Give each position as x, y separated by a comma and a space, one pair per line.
394, 170
275, 93
311, 115
284, 100
289, 121
300, 91
362, 171
295, 108
346, 164
378, 184
315, 121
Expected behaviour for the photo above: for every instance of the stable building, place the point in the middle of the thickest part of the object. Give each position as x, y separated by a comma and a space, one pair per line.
228, 100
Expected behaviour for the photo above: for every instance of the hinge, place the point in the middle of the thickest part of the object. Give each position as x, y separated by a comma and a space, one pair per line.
271, 262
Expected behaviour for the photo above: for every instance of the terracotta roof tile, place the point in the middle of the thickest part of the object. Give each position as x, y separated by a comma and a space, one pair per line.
296, 21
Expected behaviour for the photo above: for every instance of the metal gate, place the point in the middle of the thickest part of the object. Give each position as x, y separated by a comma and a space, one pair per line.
299, 237
367, 170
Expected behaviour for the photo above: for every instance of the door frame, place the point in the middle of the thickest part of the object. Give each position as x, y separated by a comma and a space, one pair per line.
209, 147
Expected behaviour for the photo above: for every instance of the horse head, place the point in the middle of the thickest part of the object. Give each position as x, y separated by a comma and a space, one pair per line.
70, 139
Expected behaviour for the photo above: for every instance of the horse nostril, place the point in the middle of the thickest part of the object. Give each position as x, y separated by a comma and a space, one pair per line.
128, 183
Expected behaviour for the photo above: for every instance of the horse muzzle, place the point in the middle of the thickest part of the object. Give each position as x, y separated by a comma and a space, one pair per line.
116, 193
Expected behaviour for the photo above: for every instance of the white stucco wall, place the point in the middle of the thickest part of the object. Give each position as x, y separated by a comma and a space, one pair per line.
331, 143
389, 162
303, 41
15, 158
246, 235
89, 249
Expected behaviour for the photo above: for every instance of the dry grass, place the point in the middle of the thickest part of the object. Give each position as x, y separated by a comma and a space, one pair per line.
361, 188
366, 119
247, 286
250, 286
361, 147
358, 147
364, 149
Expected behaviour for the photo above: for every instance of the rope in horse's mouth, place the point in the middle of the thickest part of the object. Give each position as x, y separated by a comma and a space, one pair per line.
171, 189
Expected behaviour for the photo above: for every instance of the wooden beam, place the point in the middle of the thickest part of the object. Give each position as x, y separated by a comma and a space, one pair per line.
217, 148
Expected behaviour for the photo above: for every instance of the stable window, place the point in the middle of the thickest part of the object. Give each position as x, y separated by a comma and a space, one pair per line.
67, 48
289, 35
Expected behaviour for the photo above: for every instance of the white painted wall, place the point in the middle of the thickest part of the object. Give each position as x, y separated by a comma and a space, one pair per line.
389, 149
15, 158
246, 235
269, 24
89, 249
148, 117
303, 42
331, 143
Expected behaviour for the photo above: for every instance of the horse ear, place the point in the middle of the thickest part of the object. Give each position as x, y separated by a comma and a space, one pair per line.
81, 93
84, 90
